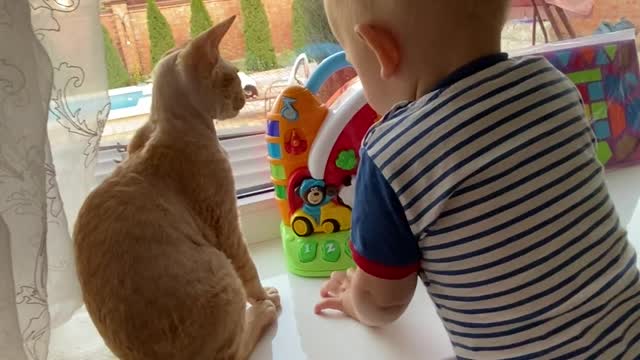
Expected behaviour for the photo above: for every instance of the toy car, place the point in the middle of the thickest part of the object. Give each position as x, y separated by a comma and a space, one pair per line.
333, 218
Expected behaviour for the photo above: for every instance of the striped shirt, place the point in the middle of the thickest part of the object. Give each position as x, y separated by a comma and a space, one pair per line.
490, 189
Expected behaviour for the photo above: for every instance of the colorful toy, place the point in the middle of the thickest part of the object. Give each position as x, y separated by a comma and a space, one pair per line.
313, 151
606, 71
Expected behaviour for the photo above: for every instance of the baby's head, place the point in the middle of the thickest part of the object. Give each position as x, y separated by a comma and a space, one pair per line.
401, 49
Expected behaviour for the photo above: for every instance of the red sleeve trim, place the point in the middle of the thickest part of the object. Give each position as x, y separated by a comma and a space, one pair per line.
382, 271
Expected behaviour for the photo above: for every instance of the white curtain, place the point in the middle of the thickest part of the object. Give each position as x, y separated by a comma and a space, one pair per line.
53, 108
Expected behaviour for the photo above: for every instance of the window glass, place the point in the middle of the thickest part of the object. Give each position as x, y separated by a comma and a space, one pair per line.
266, 45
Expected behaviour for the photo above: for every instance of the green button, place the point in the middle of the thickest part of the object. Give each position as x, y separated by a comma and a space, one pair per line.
347, 248
281, 192
278, 172
308, 251
347, 160
331, 251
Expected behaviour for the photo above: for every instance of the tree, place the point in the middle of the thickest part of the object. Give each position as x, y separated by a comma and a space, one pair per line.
200, 19
318, 29
300, 24
117, 74
160, 35
260, 54
311, 31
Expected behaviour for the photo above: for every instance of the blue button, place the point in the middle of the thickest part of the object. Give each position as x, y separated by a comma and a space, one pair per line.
275, 151
273, 128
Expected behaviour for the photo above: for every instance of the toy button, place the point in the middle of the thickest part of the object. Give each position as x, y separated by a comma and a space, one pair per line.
331, 251
308, 251
347, 160
347, 249
295, 142
288, 111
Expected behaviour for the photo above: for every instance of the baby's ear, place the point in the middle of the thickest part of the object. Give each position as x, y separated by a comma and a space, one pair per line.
207, 44
384, 44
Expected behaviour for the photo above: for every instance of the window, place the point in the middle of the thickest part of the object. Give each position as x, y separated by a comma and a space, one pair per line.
267, 65
136, 31
51, 53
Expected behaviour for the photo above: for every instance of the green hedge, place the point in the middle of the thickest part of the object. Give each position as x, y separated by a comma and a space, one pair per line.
318, 30
160, 36
310, 25
200, 19
117, 74
299, 22
260, 54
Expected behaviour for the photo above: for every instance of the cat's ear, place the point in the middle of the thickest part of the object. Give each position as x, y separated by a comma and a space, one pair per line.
217, 33
207, 44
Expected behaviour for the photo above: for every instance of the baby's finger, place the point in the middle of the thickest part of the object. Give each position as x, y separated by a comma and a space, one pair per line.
332, 303
330, 287
338, 276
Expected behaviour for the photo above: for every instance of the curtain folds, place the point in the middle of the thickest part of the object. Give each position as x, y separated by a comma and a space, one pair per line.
53, 108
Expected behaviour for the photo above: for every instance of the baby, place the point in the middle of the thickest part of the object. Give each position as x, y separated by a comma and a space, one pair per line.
482, 179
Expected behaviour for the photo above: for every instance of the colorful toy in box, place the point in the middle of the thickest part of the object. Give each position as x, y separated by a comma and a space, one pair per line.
606, 71
313, 151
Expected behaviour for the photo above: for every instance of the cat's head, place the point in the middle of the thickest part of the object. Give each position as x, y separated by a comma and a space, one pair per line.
196, 76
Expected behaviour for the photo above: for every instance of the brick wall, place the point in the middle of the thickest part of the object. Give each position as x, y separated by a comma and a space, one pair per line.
109, 24
279, 13
232, 46
127, 25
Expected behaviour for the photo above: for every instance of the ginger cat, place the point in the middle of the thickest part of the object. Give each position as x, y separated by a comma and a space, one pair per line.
164, 269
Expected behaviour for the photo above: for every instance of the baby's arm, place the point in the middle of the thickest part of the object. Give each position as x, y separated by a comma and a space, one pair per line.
366, 298
385, 250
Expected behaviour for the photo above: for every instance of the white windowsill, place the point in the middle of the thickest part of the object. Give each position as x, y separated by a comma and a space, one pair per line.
259, 218
300, 334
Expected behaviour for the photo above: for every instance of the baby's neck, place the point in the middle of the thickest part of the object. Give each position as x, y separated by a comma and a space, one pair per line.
432, 68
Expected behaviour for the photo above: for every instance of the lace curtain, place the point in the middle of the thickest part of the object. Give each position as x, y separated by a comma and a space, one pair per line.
53, 108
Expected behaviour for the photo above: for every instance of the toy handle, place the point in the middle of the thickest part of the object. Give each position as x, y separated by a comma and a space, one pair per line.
327, 67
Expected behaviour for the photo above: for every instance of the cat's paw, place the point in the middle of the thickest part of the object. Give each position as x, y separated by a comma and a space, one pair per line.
262, 313
273, 296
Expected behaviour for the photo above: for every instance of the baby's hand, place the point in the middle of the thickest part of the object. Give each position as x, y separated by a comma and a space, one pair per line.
336, 294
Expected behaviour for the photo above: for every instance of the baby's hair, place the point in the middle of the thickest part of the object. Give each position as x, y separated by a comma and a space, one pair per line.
408, 12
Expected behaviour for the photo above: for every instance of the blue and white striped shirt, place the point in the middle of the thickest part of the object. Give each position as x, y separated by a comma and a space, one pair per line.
490, 188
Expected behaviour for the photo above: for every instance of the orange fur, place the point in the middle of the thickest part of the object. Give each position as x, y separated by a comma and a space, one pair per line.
164, 269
